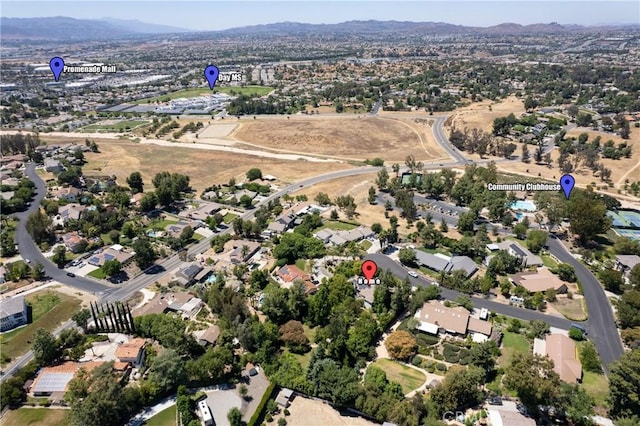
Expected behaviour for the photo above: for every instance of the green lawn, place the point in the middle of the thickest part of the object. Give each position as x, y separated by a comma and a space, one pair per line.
302, 264
166, 417
338, 226
35, 417
512, 343
189, 93
597, 386
303, 359
159, 225
229, 217
408, 378
116, 127
548, 261
366, 244
16, 342
98, 273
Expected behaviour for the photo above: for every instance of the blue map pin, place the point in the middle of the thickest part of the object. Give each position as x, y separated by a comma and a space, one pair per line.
211, 74
567, 182
57, 65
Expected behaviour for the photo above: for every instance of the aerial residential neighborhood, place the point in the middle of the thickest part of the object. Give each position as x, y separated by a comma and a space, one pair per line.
358, 220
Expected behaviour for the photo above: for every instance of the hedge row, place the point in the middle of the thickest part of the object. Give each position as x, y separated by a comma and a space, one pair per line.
257, 416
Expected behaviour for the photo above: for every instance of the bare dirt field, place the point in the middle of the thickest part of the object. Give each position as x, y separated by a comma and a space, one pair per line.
359, 138
204, 167
216, 130
315, 413
479, 116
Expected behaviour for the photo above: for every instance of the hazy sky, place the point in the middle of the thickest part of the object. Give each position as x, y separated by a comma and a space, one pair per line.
215, 15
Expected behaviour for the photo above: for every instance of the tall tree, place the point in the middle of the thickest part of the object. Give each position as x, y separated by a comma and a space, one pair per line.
135, 182
533, 379
45, 347
624, 385
60, 256
587, 215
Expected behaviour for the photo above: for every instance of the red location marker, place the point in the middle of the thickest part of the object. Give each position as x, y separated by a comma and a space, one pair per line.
369, 269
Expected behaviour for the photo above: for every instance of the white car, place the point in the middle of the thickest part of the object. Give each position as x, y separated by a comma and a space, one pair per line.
414, 274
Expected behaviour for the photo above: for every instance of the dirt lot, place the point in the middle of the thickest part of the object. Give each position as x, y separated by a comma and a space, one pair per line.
358, 138
120, 158
479, 116
315, 413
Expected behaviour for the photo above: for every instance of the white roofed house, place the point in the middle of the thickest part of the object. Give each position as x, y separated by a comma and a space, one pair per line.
13, 313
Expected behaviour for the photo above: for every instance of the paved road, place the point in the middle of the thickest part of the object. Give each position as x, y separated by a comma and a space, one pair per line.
601, 323
376, 107
29, 250
443, 141
385, 262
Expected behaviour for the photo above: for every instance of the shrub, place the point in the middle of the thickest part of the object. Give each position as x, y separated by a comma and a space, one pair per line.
441, 367
576, 334
427, 340
257, 415
416, 361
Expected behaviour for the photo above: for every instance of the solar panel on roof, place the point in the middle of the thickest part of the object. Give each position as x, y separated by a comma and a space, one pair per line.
108, 256
53, 382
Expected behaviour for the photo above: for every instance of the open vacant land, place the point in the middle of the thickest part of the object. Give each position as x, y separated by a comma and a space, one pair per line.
35, 417
189, 93
205, 168
49, 309
479, 116
359, 138
409, 378
315, 413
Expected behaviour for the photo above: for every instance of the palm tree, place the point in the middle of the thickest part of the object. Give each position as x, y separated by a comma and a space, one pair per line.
244, 250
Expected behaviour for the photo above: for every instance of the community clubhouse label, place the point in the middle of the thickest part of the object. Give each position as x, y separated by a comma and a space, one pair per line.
526, 186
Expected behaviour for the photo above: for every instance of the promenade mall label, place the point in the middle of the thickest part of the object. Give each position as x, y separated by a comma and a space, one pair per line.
527, 186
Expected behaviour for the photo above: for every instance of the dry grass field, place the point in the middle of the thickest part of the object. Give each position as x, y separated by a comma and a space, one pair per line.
204, 167
359, 138
479, 116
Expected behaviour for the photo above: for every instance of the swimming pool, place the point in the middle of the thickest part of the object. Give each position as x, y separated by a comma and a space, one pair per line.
524, 205
211, 279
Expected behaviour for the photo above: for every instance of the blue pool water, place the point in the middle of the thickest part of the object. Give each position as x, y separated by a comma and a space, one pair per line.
527, 206
519, 216
211, 279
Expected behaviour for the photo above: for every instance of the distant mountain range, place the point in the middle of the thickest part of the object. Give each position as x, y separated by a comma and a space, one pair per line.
64, 28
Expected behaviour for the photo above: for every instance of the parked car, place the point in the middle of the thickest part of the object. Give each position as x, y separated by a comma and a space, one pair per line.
71, 274
414, 274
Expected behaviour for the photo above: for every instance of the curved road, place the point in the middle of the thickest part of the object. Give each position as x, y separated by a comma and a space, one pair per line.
601, 323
